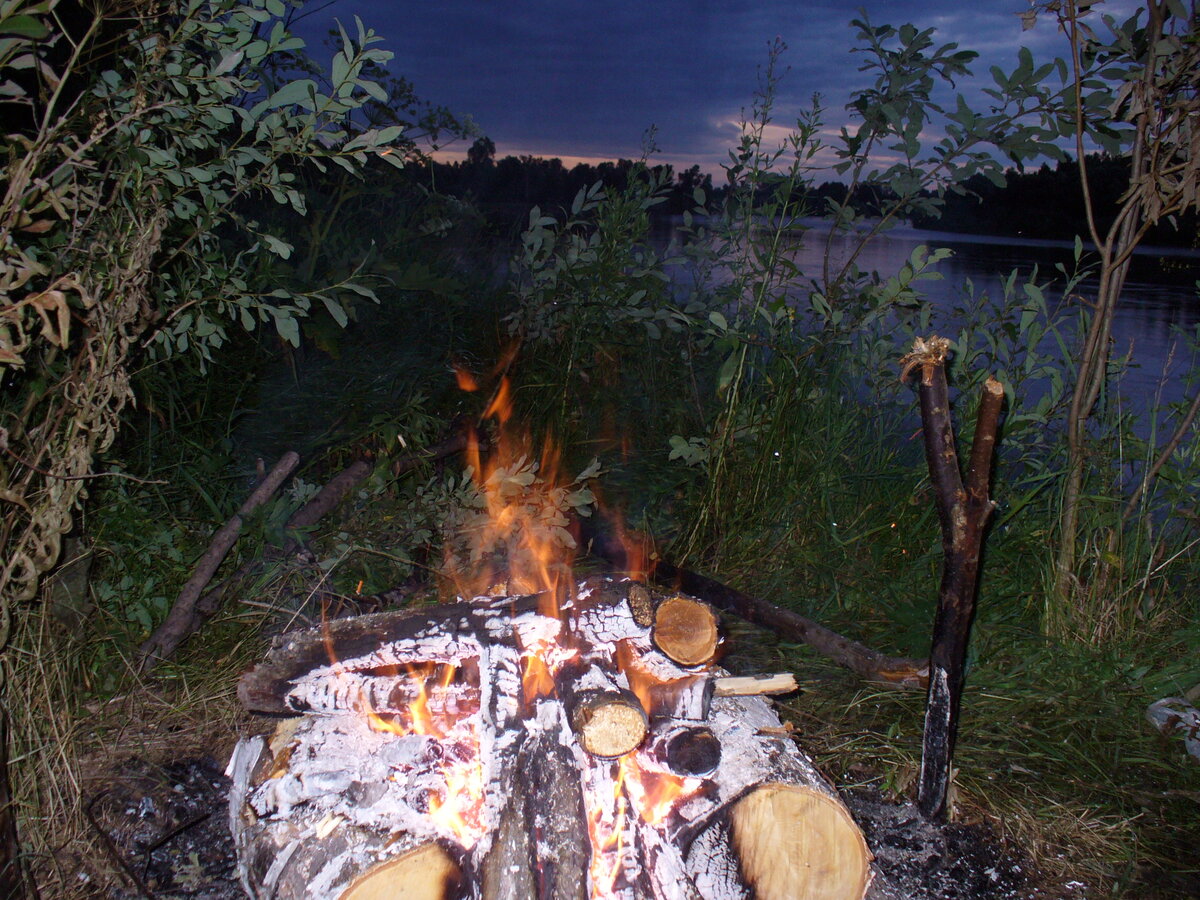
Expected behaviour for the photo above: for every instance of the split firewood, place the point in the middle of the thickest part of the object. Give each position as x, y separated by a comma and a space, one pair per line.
691, 697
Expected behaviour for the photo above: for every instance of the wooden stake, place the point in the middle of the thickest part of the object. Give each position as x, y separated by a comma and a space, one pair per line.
963, 512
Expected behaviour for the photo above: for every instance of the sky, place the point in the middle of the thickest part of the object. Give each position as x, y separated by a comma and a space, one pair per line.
583, 81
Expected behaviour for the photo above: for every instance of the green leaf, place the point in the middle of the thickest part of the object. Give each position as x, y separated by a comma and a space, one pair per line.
288, 327
280, 248
336, 310
296, 93
718, 319
24, 26
728, 371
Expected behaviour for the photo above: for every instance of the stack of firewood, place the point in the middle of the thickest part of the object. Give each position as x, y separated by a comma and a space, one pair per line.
517, 747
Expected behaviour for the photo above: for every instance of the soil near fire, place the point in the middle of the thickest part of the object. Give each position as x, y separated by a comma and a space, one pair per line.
166, 828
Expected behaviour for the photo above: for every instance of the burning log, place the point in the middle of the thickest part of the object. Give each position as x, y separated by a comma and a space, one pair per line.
607, 723
526, 765
685, 750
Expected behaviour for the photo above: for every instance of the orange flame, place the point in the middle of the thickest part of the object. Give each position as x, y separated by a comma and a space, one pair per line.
459, 809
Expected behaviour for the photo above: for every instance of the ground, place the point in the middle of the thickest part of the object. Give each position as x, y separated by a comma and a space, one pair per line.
167, 830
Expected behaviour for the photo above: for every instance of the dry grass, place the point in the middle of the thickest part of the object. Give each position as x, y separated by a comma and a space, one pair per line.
67, 742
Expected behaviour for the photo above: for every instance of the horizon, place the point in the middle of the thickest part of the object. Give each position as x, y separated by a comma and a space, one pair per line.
555, 80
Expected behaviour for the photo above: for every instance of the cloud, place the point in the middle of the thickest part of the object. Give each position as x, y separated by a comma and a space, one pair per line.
585, 80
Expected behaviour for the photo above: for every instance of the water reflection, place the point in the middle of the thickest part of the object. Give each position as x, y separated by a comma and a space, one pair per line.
1159, 306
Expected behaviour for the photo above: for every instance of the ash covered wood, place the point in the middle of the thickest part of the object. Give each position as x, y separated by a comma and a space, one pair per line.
521, 747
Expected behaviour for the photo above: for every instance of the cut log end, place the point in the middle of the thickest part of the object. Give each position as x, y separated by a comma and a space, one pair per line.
426, 872
609, 724
686, 630
795, 843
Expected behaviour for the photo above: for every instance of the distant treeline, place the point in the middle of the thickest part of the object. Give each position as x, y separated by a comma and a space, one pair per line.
1042, 203
1048, 203
505, 189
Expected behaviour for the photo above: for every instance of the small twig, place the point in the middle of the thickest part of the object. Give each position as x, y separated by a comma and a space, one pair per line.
112, 848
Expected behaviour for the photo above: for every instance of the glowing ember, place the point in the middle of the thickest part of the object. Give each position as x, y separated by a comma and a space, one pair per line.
457, 809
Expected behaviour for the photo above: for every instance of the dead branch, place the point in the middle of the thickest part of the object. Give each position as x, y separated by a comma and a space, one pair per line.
963, 513
182, 620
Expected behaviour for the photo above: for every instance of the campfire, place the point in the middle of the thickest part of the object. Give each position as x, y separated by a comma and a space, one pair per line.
563, 739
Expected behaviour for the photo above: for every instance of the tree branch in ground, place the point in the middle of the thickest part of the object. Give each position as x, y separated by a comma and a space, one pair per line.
963, 513
182, 620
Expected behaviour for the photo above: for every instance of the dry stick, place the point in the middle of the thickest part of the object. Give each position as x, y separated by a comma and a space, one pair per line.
963, 513
1163, 458
13, 877
341, 484
182, 620
890, 671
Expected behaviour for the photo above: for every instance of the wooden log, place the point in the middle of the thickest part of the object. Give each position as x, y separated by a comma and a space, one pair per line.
774, 824
334, 800
312, 852
448, 632
889, 671
607, 723
426, 872
794, 843
686, 630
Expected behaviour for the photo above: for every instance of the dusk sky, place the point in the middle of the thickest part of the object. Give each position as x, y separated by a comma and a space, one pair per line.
584, 80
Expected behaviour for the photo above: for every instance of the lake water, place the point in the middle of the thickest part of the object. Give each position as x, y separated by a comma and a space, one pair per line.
1159, 306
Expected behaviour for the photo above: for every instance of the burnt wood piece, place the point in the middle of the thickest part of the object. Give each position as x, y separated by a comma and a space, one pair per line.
685, 749
184, 618
963, 512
